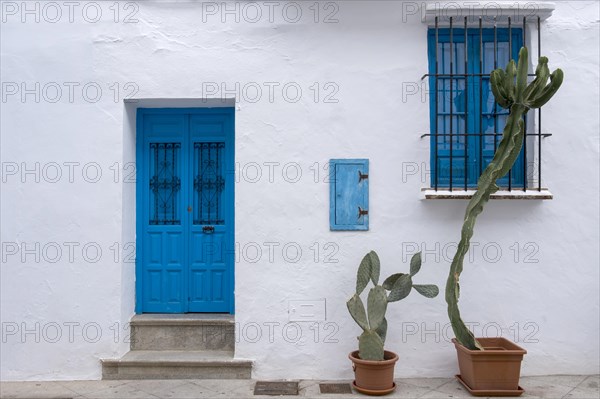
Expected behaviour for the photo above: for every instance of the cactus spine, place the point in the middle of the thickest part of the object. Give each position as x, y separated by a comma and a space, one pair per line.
372, 320
519, 98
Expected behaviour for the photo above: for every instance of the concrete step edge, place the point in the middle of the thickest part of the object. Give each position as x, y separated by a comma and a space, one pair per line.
174, 358
177, 363
183, 316
181, 322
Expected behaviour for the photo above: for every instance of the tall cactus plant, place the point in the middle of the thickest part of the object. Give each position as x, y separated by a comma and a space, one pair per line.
372, 320
519, 98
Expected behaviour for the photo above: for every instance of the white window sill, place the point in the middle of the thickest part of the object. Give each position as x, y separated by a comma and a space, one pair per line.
490, 11
441, 194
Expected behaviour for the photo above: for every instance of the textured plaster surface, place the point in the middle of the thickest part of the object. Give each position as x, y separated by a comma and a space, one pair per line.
534, 270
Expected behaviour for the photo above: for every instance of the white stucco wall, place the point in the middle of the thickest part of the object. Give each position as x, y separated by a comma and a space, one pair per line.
546, 291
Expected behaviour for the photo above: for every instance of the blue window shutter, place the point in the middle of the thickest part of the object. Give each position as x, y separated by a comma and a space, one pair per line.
349, 194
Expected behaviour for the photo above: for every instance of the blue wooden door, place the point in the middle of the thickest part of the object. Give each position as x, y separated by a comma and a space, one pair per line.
185, 215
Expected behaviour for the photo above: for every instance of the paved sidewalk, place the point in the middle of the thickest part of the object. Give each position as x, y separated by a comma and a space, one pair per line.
561, 386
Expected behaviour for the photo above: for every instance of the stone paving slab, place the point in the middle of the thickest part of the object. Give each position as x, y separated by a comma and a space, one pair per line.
546, 387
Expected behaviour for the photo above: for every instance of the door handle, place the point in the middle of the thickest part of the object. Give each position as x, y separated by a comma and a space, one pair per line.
208, 229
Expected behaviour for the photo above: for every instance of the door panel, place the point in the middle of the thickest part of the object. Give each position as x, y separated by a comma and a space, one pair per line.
211, 229
209, 285
185, 211
162, 225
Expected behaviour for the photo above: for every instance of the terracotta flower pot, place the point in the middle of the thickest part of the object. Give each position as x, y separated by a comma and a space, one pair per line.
374, 377
497, 368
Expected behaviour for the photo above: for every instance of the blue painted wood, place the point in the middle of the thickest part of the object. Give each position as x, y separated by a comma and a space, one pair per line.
211, 263
180, 267
349, 193
461, 148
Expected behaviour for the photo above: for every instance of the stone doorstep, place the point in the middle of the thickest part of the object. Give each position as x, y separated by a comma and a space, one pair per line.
184, 332
174, 357
179, 346
142, 364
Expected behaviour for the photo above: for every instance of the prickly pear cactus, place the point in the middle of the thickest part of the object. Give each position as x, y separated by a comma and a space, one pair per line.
519, 98
372, 319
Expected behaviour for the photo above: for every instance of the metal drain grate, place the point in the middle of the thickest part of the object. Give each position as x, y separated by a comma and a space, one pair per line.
276, 388
335, 388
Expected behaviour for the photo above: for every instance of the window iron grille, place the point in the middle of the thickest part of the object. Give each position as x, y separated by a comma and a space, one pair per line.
208, 183
528, 166
165, 183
